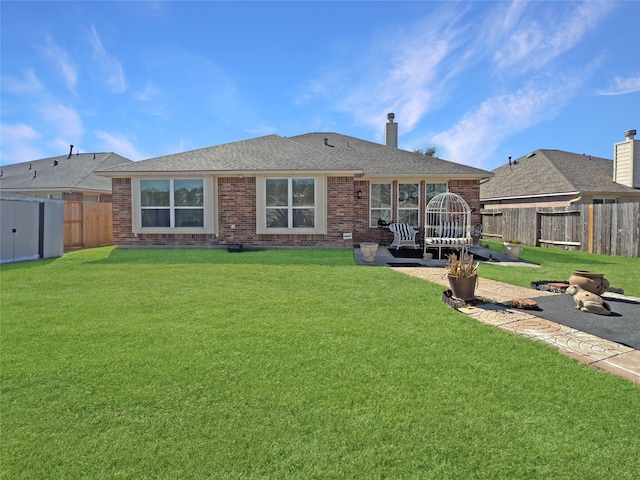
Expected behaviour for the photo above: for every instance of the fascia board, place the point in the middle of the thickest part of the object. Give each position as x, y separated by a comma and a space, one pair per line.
226, 173
519, 197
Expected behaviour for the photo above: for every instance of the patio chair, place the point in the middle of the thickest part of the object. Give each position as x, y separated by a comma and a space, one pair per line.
404, 235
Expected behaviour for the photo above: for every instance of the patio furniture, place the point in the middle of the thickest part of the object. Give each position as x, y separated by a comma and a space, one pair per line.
404, 235
447, 223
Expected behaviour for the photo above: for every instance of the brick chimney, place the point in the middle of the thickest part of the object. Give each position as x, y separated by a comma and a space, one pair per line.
391, 132
626, 161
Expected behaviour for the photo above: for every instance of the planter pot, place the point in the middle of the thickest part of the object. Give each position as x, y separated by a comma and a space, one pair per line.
368, 251
463, 288
513, 250
591, 282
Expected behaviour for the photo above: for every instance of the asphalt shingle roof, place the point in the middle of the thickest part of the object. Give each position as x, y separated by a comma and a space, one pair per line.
552, 172
70, 173
379, 160
301, 153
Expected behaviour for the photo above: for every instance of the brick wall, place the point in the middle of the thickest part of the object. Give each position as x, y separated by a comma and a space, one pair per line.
470, 191
121, 210
236, 197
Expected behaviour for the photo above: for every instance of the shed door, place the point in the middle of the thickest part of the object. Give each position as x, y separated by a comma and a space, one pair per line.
20, 231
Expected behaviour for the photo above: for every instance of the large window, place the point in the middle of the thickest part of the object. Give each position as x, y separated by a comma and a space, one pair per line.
380, 203
172, 203
409, 203
290, 203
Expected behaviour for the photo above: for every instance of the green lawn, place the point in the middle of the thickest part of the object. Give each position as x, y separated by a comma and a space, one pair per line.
281, 364
557, 264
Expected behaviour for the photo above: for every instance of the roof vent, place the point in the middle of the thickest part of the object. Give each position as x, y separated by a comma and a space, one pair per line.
326, 141
630, 134
70, 150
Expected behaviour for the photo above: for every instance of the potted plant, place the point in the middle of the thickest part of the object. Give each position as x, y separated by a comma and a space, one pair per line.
463, 276
368, 250
513, 248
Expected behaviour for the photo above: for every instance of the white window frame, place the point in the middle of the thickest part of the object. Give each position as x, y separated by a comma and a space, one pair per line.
320, 206
389, 209
209, 206
415, 209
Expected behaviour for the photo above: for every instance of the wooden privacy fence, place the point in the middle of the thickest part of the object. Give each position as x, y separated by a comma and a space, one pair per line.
87, 224
609, 229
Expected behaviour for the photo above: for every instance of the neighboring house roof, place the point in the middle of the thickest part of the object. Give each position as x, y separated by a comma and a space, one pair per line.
303, 153
551, 173
72, 173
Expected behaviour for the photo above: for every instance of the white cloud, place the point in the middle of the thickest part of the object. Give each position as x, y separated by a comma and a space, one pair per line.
405, 72
30, 84
475, 138
62, 61
149, 92
119, 144
621, 86
20, 143
64, 120
109, 65
525, 44
18, 133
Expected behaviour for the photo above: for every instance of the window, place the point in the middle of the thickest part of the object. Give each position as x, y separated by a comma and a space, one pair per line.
433, 189
290, 203
172, 203
409, 203
380, 203
600, 201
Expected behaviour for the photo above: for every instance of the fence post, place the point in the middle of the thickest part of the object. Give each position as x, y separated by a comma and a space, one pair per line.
590, 229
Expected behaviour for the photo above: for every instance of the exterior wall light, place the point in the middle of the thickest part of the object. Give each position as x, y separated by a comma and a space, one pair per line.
359, 193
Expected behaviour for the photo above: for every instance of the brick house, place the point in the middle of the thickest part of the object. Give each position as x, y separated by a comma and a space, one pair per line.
555, 178
315, 189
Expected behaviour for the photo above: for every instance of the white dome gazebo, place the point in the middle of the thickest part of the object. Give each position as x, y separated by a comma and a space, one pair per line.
447, 223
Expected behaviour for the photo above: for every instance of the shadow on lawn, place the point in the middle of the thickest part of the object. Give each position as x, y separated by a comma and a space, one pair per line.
220, 256
540, 256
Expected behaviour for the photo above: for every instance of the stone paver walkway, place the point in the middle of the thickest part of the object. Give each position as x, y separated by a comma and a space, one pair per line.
586, 348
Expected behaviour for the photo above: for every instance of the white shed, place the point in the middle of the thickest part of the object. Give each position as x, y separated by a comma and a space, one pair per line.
30, 228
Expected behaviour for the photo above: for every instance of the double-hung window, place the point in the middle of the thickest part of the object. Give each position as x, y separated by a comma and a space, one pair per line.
290, 203
380, 203
169, 203
409, 203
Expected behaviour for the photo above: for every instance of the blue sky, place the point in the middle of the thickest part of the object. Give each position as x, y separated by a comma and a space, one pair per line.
480, 81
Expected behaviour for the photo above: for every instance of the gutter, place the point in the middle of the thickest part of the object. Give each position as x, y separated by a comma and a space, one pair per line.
577, 199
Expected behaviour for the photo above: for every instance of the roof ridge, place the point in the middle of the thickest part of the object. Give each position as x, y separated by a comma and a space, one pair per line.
91, 172
555, 167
